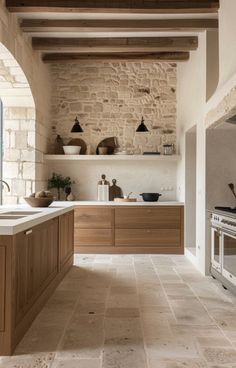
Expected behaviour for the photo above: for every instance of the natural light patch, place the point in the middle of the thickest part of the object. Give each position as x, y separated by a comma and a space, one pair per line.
18, 116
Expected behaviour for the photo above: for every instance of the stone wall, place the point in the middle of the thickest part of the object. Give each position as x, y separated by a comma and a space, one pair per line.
25, 91
111, 97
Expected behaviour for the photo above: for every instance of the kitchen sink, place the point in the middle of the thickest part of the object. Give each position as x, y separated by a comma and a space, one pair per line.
11, 217
21, 213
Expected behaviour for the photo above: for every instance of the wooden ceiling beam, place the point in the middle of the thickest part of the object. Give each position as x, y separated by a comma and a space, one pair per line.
114, 6
115, 45
117, 25
158, 56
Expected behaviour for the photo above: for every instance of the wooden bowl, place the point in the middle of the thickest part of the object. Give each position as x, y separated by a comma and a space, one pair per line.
39, 202
125, 199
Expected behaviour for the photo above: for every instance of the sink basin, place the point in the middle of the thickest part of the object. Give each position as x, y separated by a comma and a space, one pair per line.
21, 213
11, 217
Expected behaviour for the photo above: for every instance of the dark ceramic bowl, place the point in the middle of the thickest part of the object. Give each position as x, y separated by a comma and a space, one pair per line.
150, 197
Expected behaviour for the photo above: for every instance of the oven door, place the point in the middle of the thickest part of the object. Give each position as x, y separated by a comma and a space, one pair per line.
229, 256
216, 249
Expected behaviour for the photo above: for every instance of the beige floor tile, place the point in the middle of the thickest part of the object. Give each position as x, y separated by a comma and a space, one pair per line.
83, 338
122, 312
77, 363
123, 328
177, 363
220, 355
155, 308
124, 353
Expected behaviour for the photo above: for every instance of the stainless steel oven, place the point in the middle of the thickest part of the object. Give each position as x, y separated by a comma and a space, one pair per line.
229, 255
216, 249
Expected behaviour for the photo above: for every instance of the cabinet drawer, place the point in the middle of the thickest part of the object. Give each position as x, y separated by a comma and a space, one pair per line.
93, 237
148, 218
93, 218
147, 237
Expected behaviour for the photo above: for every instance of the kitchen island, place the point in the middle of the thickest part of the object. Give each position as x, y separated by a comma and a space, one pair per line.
36, 251
129, 227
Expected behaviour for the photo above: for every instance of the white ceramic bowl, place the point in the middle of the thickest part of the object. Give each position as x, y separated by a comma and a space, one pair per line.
72, 150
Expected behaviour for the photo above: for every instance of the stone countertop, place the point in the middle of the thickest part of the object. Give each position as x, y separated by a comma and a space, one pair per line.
14, 226
125, 204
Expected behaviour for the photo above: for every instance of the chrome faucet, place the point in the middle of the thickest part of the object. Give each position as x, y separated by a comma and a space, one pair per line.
7, 185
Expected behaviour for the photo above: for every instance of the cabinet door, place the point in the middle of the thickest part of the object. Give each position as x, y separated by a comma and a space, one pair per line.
148, 218
66, 248
36, 263
93, 218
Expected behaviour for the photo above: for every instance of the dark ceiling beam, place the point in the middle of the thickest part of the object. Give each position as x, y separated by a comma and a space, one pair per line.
158, 56
117, 25
115, 45
114, 6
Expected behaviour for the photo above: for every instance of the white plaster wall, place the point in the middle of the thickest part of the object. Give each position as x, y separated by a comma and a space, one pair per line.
221, 153
191, 97
136, 177
227, 32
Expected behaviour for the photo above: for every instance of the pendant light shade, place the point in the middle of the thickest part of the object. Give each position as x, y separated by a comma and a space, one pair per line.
142, 127
76, 127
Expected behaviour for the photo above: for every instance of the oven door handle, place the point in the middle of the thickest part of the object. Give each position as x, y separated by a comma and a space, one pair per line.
228, 232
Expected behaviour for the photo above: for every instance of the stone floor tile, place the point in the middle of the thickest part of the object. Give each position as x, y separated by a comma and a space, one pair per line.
220, 355
124, 353
27, 361
122, 312
155, 309
83, 338
177, 363
123, 327
77, 363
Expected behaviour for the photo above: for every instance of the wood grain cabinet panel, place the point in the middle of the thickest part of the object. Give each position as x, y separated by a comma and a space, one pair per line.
93, 237
148, 218
66, 237
2, 286
93, 218
147, 238
36, 253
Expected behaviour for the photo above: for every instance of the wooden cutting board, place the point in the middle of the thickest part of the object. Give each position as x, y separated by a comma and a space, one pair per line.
111, 143
114, 191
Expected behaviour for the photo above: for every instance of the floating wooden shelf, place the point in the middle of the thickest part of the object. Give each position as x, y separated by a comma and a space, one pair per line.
170, 158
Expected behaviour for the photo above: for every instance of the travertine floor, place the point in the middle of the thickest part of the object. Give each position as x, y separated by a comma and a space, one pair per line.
132, 312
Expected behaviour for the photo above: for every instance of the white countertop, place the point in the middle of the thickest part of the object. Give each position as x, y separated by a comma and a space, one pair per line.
14, 226
138, 203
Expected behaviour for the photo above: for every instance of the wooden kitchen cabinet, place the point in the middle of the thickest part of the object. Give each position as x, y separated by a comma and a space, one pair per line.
36, 252
93, 218
148, 218
66, 236
161, 238
94, 227
32, 263
129, 229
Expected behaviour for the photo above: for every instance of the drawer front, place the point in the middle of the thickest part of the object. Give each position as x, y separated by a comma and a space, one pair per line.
147, 238
148, 218
93, 237
93, 218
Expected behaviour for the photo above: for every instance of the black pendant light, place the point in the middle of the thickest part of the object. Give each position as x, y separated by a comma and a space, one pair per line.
76, 127
142, 127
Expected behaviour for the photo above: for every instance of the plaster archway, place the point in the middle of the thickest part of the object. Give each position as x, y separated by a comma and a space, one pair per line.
19, 150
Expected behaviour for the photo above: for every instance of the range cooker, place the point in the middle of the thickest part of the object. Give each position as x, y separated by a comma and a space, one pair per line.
223, 247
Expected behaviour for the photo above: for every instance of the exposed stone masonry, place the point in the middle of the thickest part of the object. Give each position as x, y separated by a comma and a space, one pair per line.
111, 97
